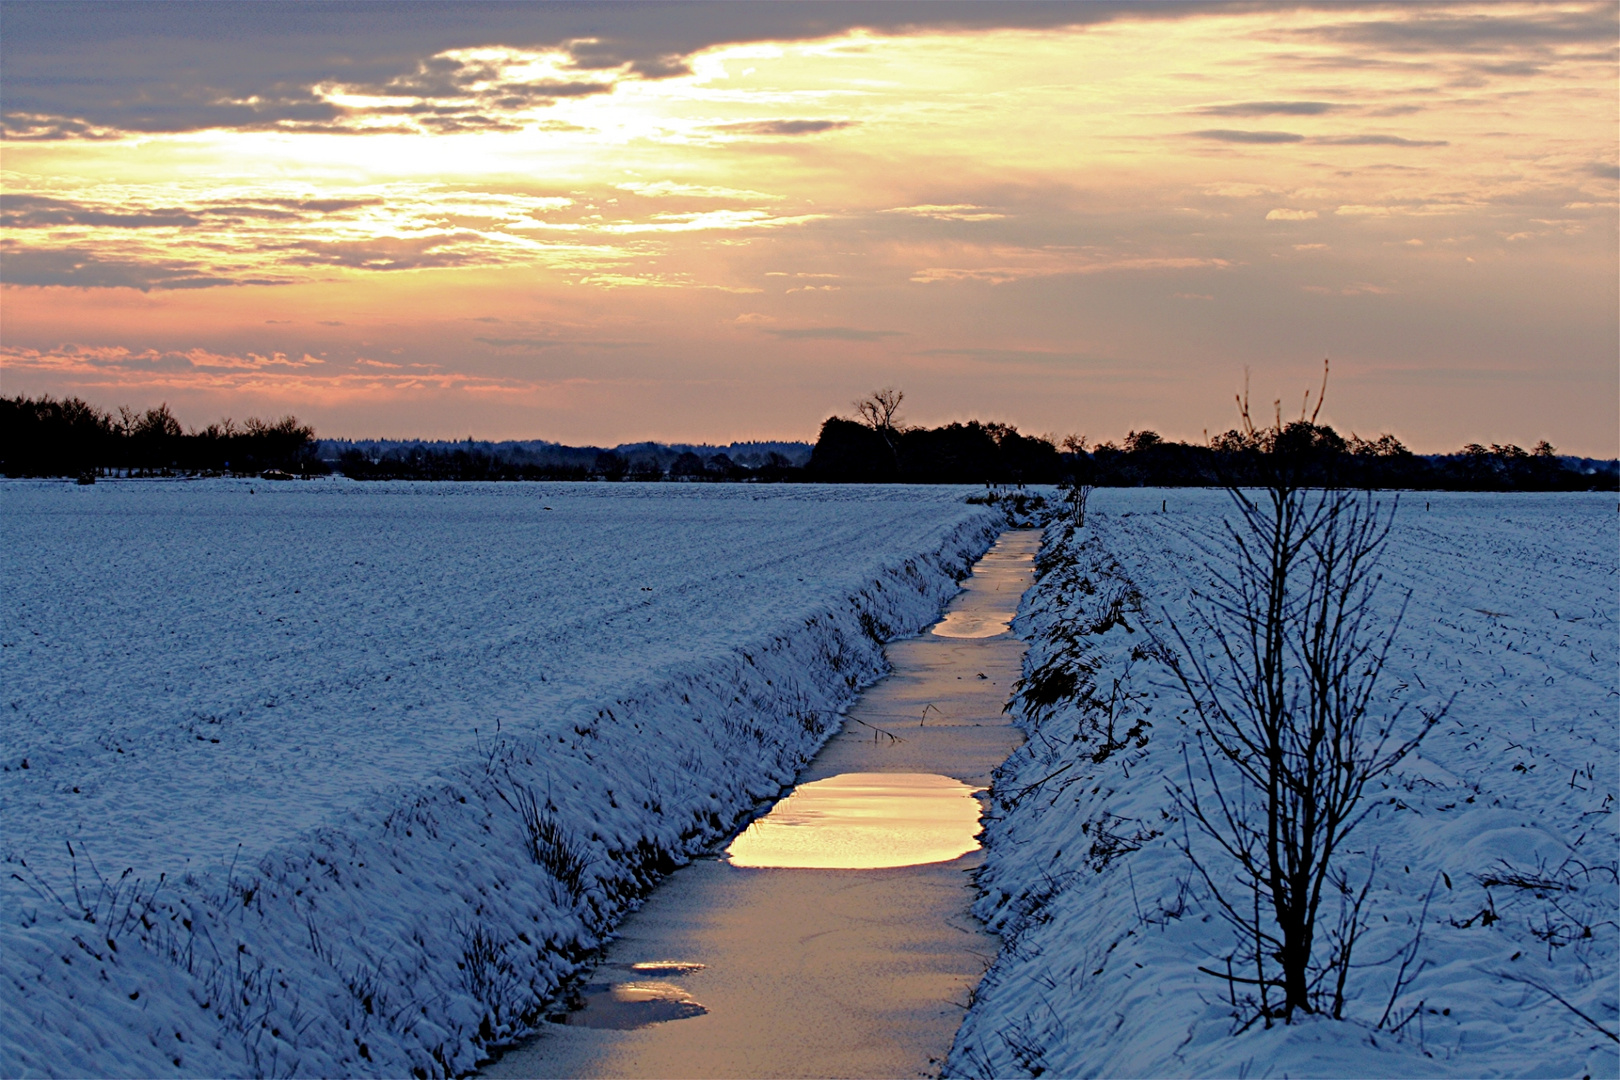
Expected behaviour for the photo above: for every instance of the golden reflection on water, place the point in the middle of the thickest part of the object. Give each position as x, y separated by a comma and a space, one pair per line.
626, 1006
864, 821
973, 624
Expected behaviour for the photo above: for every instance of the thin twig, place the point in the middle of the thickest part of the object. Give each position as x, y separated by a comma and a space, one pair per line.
1556, 996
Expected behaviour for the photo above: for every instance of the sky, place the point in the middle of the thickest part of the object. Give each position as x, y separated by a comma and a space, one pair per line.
598, 223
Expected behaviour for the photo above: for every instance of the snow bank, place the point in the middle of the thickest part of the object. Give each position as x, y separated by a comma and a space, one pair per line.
385, 761
1514, 607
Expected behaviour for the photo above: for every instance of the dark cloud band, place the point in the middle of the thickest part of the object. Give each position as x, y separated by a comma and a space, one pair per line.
86, 270
96, 70
1228, 135
89, 70
784, 127
1275, 137
1270, 108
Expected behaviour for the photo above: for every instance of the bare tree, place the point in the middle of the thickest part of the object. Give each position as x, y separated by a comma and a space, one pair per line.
880, 411
1077, 485
1281, 663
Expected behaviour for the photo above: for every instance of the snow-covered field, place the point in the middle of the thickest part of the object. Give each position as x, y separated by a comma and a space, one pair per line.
1505, 821
382, 761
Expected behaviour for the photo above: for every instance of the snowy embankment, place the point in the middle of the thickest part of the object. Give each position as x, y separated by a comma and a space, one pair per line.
1504, 823
384, 761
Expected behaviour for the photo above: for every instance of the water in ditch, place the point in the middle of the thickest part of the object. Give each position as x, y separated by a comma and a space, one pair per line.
832, 937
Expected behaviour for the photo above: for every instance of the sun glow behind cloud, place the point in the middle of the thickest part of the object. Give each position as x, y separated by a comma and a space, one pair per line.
1007, 219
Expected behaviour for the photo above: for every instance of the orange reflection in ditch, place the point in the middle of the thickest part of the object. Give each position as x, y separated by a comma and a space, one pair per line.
863, 821
973, 624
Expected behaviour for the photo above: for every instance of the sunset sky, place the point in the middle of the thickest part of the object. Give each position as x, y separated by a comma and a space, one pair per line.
600, 223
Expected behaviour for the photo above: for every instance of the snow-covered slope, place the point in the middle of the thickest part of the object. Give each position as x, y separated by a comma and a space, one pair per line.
383, 761
1505, 821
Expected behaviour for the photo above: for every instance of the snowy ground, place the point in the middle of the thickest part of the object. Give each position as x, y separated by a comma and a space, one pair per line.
1514, 607
384, 760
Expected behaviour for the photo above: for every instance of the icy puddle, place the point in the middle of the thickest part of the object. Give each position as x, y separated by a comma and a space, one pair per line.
974, 624
997, 604
863, 821
645, 996
834, 937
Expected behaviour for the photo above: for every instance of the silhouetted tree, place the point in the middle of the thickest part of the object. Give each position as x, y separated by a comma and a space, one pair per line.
880, 411
687, 467
953, 454
610, 466
1282, 669
850, 452
1079, 477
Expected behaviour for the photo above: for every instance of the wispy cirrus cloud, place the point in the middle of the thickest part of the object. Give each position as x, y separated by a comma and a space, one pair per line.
831, 333
537, 343
1004, 355
32, 211
1004, 265
1270, 108
670, 189
785, 128
114, 241
122, 359
532, 344
947, 212
676, 222
1376, 140
1424, 209
302, 378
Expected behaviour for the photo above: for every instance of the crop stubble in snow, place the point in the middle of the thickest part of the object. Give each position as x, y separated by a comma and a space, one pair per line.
190, 668
1514, 606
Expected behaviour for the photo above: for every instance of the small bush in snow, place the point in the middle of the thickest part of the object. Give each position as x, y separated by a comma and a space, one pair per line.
1281, 666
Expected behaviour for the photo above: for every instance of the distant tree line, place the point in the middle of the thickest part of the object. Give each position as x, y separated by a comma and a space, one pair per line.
540, 460
1326, 459
46, 437
970, 453
876, 448
474, 462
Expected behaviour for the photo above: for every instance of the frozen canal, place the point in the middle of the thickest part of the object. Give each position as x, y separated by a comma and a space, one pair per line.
835, 941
